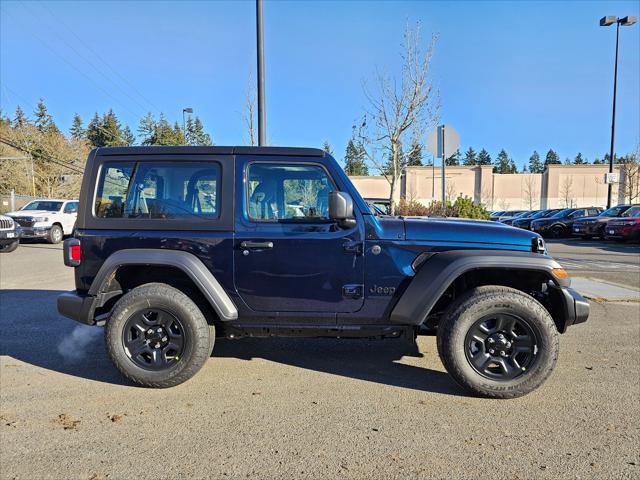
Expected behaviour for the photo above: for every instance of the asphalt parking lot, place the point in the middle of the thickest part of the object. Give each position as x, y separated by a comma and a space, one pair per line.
311, 408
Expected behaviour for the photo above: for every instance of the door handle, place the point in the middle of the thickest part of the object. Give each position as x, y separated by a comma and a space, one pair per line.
252, 244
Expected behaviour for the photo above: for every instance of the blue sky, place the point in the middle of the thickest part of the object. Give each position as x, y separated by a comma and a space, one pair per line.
513, 75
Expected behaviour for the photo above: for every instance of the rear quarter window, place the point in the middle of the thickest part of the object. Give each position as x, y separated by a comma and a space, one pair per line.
158, 190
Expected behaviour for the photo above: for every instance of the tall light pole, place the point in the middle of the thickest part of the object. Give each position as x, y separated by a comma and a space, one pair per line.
184, 122
262, 126
606, 22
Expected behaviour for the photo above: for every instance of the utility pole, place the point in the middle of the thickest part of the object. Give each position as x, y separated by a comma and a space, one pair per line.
605, 22
443, 171
262, 125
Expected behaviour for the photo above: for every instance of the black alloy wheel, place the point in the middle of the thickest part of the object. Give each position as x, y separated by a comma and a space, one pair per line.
154, 339
501, 346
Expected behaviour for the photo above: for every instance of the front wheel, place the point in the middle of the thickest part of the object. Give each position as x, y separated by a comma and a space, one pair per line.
557, 231
55, 234
498, 342
9, 247
157, 336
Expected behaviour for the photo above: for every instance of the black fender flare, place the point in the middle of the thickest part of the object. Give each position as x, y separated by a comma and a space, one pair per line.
191, 265
438, 272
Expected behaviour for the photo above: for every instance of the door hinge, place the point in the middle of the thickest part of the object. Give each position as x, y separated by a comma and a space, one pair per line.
357, 248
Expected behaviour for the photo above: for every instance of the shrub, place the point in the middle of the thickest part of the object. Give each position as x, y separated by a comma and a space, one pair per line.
463, 207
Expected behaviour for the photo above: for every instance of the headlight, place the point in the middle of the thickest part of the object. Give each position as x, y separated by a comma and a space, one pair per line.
40, 219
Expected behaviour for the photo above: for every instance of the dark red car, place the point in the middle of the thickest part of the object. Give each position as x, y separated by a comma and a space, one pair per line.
626, 227
589, 227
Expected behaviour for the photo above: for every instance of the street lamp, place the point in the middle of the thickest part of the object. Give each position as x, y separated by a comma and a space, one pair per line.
184, 123
606, 22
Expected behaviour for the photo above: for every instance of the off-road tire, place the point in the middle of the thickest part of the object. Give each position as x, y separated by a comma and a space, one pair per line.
9, 247
487, 300
198, 334
55, 234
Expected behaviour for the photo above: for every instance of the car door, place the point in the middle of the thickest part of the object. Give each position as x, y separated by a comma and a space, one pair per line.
288, 255
69, 215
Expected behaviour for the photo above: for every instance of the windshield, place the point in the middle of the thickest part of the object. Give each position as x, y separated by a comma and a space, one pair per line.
614, 211
542, 214
563, 213
632, 212
43, 205
497, 214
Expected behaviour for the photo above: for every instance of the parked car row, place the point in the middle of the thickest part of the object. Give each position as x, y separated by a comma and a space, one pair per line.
621, 222
47, 219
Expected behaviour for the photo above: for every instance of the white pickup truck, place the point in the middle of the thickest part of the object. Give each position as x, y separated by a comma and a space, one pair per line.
47, 218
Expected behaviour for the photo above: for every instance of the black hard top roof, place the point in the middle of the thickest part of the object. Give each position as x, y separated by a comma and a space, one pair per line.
188, 150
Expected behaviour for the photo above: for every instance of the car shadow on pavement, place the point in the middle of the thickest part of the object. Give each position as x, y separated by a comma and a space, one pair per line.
362, 359
32, 331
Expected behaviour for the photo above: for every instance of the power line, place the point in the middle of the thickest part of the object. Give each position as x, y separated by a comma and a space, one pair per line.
99, 57
79, 71
95, 67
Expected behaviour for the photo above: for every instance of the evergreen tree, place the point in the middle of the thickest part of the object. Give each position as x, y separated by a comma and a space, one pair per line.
535, 164
598, 161
414, 159
19, 118
504, 164
354, 159
197, 135
4, 120
43, 120
147, 128
93, 131
484, 158
326, 146
77, 131
470, 157
567, 161
453, 160
128, 137
552, 158
579, 160
111, 130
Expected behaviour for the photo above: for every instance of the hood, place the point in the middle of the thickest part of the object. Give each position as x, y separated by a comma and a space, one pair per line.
467, 231
30, 213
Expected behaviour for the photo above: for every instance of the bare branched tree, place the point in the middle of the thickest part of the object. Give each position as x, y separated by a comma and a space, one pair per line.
397, 107
630, 170
249, 114
567, 191
530, 190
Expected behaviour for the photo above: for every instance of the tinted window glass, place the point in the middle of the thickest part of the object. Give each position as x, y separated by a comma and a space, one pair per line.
563, 213
290, 193
159, 190
71, 207
613, 211
632, 212
43, 205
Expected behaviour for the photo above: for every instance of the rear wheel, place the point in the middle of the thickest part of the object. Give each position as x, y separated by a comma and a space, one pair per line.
9, 247
157, 336
498, 342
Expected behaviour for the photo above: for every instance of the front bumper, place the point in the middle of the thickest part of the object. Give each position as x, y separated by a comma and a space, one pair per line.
9, 235
575, 308
35, 232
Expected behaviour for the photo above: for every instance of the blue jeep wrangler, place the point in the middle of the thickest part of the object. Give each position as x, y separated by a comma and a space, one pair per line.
177, 245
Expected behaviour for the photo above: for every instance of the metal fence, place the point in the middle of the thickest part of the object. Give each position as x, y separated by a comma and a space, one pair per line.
12, 201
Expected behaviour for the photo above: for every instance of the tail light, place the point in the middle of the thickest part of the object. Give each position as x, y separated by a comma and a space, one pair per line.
72, 252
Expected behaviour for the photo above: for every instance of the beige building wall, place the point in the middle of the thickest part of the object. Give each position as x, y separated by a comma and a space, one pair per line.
559, 186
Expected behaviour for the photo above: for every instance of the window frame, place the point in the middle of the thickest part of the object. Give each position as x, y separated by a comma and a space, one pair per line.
225, 201
282, 221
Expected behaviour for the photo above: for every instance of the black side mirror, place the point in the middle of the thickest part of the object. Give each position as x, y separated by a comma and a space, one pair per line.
341, 209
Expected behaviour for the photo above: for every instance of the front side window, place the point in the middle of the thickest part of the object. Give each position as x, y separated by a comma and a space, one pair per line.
158, 190
288, 192
71, 207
